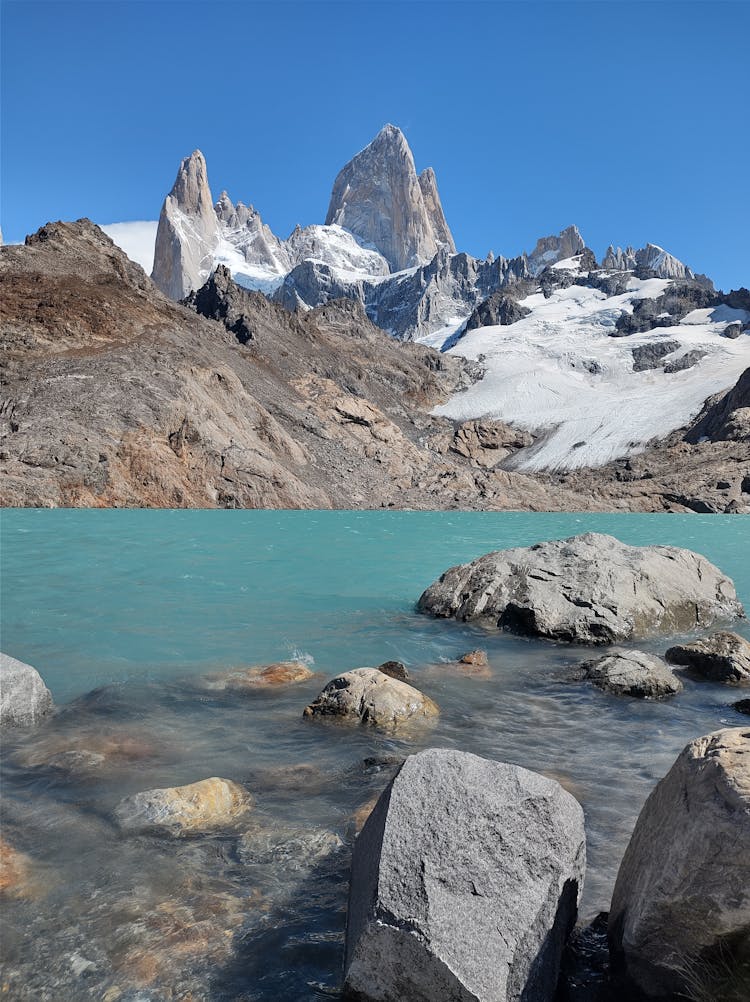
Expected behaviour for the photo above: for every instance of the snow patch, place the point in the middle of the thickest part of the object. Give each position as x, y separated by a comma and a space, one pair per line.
534, 377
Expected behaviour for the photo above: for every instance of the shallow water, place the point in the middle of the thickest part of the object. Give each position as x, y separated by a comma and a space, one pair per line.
138, 606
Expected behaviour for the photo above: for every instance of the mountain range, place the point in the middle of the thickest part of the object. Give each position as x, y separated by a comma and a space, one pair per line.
546, 325
365, 362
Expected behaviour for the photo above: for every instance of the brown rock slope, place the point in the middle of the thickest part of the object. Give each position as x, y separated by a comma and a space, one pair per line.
114, 395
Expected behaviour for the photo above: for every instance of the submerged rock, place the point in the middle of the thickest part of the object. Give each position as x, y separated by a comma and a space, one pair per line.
632, 673
367, 696
465, 881
720, 657
478, 658
589, 589
263, 676
24, 698
681, 903
184, 810
15, 871
297, 848
742, 706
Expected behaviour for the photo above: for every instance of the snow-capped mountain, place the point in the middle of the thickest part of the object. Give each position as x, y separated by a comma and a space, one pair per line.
595, 358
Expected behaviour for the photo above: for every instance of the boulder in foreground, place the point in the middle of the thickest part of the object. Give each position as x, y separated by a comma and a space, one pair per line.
184, 810
721, 657
680, 910
465, 882
369, 696
632, 673
590, 589
24, 698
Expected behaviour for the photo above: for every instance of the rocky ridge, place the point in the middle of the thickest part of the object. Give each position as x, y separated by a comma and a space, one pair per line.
115, 395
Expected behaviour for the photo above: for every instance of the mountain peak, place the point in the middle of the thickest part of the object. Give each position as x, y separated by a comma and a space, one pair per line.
549, 250
180, 263
378, 197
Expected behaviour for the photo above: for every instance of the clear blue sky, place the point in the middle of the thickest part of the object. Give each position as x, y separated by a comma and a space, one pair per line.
629, 119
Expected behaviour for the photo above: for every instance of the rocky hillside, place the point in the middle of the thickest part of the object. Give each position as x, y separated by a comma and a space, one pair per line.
115, 395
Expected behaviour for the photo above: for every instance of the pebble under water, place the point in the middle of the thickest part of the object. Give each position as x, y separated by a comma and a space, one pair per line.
125, 613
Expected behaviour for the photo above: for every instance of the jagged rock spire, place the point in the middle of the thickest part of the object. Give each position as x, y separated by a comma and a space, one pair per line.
188, 231
379, 198
551, 249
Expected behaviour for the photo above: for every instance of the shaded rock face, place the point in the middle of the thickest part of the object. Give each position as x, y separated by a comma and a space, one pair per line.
721, 657
589, 589
188, 231
681, 905
184, 810
465, 881
725, 416
649, 356
24, 698
369, 696
632, 673
497, 309
686, 361
220, 299
378, 197
668, 309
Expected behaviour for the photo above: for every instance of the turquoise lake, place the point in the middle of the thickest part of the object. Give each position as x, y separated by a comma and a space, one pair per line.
91, 597
125, 612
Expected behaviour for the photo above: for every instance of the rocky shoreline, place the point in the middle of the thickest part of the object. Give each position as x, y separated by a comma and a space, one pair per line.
466, 872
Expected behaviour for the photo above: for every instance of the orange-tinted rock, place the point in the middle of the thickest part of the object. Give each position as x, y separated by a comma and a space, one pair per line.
279, 673
15, 870
185, 810
478, 658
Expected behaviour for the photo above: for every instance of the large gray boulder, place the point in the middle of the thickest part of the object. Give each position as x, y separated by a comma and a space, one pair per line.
24, 698
632, 673
590, 589
680, 910
465, 883
720, 657
370, 696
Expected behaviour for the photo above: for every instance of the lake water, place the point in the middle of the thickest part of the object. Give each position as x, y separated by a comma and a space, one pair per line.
124, 612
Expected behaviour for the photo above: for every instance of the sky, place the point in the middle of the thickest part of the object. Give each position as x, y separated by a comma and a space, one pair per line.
629, 119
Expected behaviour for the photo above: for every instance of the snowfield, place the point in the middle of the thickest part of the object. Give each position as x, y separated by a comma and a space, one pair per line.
559, 372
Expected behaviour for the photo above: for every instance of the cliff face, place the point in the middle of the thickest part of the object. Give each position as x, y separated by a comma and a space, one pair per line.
188, 231
378, 197
114, 395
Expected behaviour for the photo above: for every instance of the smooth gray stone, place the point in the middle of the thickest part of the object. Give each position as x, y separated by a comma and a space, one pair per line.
24, 698
589, 589
465, 883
